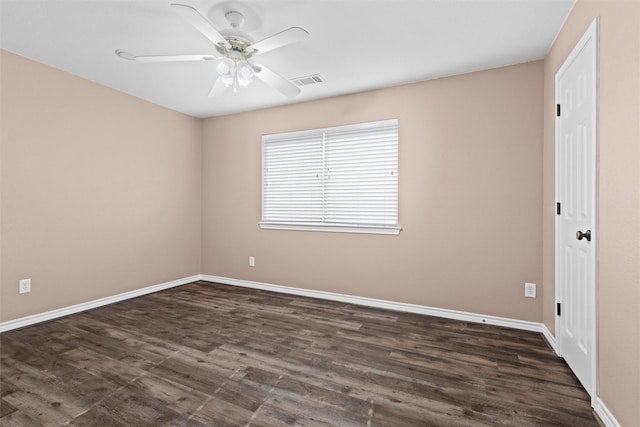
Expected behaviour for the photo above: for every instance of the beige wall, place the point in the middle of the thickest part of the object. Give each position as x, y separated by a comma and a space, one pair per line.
470, 195
102, 194
619, 190
101, 191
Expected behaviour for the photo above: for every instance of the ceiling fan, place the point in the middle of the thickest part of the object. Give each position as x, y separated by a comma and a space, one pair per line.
234, 51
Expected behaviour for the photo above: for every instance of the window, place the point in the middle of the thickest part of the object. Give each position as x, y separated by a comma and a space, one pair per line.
335, 179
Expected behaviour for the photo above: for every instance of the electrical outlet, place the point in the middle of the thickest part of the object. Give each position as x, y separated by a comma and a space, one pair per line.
24, 286
530, 290
252, 261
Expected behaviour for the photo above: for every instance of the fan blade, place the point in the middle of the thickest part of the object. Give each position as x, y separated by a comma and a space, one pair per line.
174, 58
276, 80
217, 89
283, 38
201, 24
163, 58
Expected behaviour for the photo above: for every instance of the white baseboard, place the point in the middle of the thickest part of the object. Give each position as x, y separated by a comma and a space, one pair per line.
53, 314
605, 415
550, 338
389, 305
350, 299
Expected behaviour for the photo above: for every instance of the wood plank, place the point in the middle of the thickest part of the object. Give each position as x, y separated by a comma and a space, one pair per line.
206, 354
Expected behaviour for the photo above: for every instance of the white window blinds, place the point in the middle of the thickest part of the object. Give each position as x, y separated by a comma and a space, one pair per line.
336, 179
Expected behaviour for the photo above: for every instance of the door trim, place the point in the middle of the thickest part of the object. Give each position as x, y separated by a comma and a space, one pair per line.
591, 35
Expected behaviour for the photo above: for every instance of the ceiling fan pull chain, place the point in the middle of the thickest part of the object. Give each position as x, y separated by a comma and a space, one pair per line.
235, 77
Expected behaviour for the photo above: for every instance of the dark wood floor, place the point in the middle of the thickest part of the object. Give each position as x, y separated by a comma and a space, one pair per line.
208, 355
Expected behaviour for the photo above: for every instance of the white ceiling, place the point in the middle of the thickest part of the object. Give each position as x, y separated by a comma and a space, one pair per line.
355, 45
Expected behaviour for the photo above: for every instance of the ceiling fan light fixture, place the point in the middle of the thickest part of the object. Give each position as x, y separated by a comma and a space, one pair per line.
245, 73
226, 69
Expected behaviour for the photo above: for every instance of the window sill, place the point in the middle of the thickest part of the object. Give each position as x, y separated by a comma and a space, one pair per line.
334, 228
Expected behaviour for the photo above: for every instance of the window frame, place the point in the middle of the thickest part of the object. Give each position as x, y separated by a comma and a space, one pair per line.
389, 229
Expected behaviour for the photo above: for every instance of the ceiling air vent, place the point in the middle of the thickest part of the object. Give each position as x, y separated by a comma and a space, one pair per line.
307, 80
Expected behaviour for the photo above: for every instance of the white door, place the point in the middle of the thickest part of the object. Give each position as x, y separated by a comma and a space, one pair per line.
576, 192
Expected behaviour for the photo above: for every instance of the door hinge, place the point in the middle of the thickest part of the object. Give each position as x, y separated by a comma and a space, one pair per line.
558, 308
558, 209
557, 110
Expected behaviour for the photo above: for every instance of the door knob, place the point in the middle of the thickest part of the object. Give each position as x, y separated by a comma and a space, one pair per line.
586, 235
